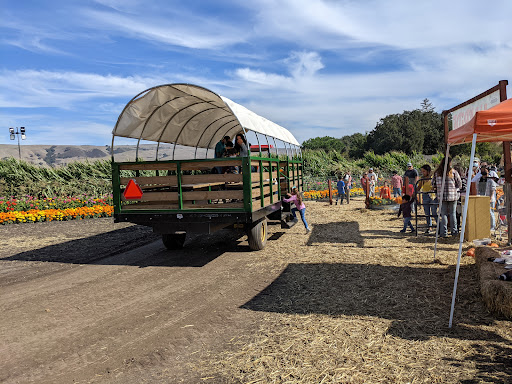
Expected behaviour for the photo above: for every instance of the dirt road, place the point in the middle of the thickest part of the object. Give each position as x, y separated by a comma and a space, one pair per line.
354, 301
78, 306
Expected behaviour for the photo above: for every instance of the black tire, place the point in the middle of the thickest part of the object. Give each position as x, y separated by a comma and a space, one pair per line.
174, 240
257, 235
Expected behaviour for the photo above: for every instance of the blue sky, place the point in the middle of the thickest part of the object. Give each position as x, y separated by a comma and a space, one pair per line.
316, 67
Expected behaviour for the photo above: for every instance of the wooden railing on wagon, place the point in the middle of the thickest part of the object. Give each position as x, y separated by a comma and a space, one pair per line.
260, 183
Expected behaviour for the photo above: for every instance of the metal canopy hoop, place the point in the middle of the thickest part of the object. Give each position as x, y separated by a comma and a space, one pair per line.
190, 115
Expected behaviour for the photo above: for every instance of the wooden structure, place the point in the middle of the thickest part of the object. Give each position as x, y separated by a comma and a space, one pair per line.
491, 125
203, 195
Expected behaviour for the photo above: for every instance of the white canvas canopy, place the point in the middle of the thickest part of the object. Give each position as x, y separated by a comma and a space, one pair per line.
191, 115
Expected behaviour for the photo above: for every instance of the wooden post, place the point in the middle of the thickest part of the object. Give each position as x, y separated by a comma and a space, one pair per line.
330, 191
507, 165
367, 193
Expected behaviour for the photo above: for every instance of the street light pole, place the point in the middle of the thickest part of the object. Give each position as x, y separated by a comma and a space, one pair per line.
19, 132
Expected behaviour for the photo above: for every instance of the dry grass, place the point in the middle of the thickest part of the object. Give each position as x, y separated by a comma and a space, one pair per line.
358, 302
497, 294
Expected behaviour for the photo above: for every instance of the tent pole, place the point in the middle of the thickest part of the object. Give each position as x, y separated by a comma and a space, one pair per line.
461, 240
441, 197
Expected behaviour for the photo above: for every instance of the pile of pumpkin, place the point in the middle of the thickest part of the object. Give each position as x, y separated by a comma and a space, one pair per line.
471, 251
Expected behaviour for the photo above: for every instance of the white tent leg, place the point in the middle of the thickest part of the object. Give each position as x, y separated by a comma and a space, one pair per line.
441, 197
465, 214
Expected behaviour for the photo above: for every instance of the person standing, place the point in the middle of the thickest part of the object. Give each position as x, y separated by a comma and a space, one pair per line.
372, 177
429, 203
412, 175
452, 184
396, 183
348, 186
406, 210
341, 190
489, 181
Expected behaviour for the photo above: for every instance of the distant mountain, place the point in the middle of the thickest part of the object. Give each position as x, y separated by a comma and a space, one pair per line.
56, 155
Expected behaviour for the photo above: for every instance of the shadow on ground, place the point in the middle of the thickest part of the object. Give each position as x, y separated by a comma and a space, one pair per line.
112, 248
416, 299
349, 233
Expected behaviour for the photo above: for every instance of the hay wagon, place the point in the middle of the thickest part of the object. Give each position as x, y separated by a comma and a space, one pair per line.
182, 188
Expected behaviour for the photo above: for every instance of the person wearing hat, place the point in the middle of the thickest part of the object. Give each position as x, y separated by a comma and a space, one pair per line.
372, 177
412, 175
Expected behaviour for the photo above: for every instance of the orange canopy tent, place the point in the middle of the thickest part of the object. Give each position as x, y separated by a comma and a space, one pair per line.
494, 124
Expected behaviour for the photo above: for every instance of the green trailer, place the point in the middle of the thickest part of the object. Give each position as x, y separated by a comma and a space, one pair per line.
201, 194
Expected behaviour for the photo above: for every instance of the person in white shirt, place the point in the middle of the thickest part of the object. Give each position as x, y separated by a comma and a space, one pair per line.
372, 177
490, 190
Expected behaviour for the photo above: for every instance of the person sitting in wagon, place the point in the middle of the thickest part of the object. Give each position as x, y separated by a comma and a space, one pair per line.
231, 152
241, 145
220, 148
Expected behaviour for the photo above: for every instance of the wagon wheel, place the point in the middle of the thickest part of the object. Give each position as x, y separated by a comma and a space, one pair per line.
174, 240
258, 235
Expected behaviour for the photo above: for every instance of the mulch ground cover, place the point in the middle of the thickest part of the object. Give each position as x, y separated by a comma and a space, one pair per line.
355, 301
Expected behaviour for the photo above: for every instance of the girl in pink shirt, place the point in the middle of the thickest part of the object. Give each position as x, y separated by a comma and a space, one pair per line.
296, 198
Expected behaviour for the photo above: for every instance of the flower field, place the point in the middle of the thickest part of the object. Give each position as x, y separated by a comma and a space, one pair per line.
322, 194
30, 209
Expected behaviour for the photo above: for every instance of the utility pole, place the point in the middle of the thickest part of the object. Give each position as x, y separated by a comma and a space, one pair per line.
19, 132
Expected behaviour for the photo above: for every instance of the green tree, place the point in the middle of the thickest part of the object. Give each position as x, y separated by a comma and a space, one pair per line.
420, 130
326, 143
355, 145
398, 132
426, 106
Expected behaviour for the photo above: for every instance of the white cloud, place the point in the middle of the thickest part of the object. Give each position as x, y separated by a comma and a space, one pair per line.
304, 64
268, 79
190, 31
31, 88
399, 23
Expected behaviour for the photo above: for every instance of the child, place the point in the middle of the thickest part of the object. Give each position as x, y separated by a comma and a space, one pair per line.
406, 209
385, 192
296, 198
230, 152
341, 190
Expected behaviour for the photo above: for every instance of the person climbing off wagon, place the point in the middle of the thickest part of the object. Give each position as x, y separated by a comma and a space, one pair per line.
296, 197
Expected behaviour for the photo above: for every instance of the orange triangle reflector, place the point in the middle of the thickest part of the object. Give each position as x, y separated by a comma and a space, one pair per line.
132, 191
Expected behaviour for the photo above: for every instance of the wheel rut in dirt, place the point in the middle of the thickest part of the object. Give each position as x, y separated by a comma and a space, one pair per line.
84, 316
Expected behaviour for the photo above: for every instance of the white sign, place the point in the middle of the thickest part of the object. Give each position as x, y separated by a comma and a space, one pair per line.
462, 115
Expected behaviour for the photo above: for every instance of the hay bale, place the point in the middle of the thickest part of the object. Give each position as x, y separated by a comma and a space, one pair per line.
497, 294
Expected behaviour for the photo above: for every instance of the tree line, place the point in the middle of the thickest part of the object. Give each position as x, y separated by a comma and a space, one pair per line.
420, 131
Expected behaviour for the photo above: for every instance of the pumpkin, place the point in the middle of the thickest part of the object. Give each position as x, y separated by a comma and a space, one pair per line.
494, 245
471, 252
